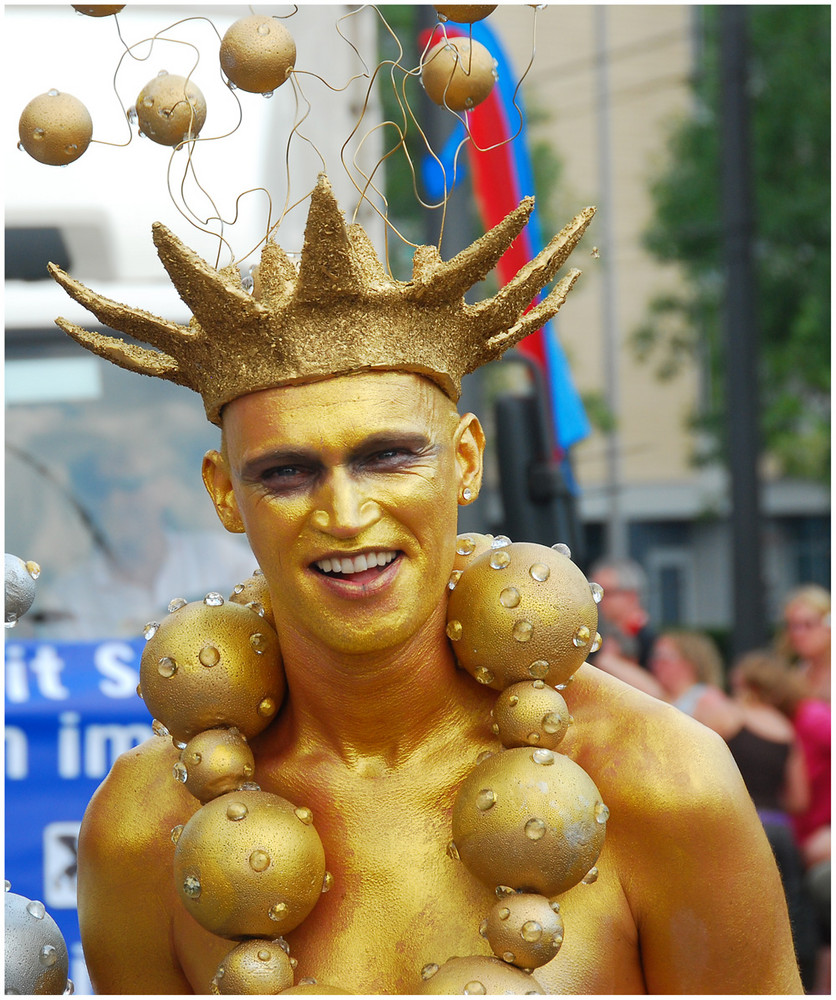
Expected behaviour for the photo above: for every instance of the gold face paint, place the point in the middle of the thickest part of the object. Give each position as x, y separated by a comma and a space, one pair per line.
347, 489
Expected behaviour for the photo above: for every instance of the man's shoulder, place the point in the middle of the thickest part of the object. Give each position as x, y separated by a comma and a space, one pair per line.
642, 751
139, 800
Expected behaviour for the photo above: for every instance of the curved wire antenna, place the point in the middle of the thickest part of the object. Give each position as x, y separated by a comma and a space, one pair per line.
398, 135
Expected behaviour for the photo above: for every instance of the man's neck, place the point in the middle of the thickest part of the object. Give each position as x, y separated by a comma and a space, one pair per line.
377, 709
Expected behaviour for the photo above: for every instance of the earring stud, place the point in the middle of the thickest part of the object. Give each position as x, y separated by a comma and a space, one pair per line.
467, 494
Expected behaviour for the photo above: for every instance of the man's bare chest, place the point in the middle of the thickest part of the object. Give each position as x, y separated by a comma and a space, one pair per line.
399, 903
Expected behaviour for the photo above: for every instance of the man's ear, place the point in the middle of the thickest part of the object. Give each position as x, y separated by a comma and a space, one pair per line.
218, 485
469, 443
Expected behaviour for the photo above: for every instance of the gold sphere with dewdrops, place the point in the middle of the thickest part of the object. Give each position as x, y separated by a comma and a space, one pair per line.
458, 73
522, 612
465, 13
313, 988
254, 967
255, 594
529, 819
524, 929
250, 864
98, 9
214, 762
258, 54
170, 109
212, 664
477, 975
55, 128
469, 546
530, 713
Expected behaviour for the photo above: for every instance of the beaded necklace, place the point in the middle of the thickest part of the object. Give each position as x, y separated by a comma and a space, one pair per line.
528, 821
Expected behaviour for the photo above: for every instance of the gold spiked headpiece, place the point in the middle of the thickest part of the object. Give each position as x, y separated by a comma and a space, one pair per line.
339, 313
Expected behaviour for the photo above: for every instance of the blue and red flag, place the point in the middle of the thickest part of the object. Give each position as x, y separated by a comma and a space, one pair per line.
501, 175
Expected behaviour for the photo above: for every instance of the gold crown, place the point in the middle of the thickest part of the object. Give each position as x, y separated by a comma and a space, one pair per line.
339, 313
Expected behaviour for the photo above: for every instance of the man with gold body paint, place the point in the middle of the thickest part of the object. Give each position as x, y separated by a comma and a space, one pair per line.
347, 486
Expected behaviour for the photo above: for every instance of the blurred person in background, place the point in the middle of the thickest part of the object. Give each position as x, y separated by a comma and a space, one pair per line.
787, 690
622, 618
624, 624
689, 671
768, 753
806, 637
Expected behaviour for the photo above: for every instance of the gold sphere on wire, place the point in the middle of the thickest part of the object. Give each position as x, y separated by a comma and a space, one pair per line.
257, 54
212, 664
98, 9
530, 819
521, 612
458, 73
249, 864
55, 128
170, 109
465, 13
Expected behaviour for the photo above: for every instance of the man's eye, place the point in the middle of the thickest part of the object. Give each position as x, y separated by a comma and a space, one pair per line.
390, 456
284, 475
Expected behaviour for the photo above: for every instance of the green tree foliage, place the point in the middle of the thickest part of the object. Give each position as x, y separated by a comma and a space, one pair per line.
789, 90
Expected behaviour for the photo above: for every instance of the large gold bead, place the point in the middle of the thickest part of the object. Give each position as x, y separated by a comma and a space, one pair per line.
458, 73
211, 665
258, 53
530, 713
170, 109
215, 762
477, 975
255, 594
524, 930
255, 966
522, 612
316, 989
469, 546
465, 13
249, 864
529, 819
55, 128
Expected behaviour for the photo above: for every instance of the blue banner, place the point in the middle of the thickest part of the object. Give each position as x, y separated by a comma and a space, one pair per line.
71, 709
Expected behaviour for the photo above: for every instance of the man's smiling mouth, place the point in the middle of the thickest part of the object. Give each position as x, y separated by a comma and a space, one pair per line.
349, 565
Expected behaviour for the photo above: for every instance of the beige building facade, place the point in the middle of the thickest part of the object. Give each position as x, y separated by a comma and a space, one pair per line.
607, 84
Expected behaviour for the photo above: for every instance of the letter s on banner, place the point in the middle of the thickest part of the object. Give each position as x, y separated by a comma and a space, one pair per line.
114, 661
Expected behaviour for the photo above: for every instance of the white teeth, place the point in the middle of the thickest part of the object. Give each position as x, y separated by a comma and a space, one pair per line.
348, 565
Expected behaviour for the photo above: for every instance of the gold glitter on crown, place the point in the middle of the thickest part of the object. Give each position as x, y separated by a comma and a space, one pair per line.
338, 313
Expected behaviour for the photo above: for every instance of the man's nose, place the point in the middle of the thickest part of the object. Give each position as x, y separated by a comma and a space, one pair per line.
344, 508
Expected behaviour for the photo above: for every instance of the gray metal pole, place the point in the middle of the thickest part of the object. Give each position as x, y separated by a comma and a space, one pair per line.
617, 542
741, 337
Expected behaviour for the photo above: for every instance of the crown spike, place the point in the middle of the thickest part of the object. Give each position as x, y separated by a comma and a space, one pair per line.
136, 323
274, 280
450, 280
329, 266
207, 292
129, 356
502, 311
373, 271
535, 317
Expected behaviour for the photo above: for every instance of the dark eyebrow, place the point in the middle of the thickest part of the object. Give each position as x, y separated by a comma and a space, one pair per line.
381, 440
278, 456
